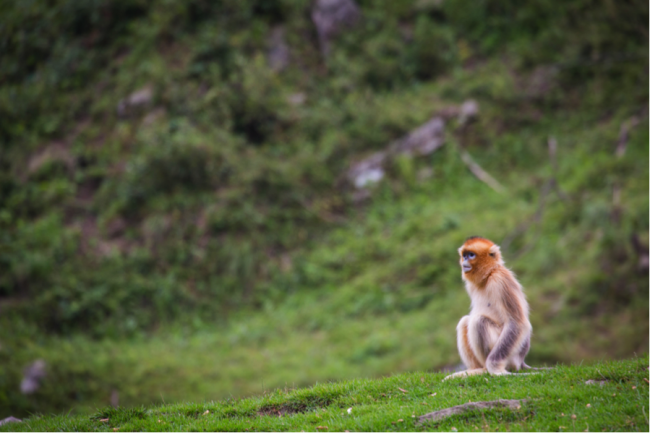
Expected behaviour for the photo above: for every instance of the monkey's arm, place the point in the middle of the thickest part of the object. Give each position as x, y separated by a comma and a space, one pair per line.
516, 327
508, 342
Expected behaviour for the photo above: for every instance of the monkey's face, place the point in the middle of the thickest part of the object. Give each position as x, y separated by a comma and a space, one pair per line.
477, 255
466, 259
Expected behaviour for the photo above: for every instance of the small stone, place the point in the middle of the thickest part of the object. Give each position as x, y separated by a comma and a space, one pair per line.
9, 419
278, 52
468, 111
297, 99
138, 99
34, 374
330, 17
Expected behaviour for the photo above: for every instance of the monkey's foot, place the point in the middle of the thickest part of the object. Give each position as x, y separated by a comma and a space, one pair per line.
466, 373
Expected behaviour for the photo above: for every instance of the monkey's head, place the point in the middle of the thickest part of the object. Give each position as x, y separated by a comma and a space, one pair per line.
478, 256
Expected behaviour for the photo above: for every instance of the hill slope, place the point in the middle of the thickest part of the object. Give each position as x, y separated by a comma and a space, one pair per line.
176, 204
607, 396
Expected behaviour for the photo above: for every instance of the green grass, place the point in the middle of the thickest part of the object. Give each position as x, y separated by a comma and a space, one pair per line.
556, 400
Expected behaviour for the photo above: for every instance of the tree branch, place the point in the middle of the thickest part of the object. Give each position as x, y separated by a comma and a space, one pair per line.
481, 174
440, 414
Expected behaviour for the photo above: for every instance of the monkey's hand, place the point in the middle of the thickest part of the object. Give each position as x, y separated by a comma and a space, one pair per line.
496, 368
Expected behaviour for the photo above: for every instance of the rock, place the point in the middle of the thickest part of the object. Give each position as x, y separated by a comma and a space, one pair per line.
33, 376
424, 140
542, 80
153, 116
368, 170
135, 101
367, 177
116, 227
278, 52
115, 398
441, 414
57, 151
332, 16
297, 99
9, 419
644, 264
468, 111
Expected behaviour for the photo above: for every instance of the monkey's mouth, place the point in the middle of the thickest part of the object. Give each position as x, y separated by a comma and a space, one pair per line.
466, 267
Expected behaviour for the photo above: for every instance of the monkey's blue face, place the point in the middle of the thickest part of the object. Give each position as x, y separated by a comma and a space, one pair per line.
465, 263
477, 256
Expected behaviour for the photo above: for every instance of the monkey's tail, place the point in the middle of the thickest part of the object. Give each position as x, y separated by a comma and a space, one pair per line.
528, 367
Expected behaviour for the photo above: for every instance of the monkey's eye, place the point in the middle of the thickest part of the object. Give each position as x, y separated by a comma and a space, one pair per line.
470, 256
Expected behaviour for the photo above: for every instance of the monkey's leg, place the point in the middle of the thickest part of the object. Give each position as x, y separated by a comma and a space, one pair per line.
483, 334
464, 349
519, 363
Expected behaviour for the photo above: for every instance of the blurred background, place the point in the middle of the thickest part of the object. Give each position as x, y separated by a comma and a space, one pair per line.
203, 200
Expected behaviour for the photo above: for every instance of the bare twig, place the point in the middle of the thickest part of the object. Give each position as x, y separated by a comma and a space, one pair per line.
552, 154
481, 174
440, 414
623, 135
551, 183
616, 203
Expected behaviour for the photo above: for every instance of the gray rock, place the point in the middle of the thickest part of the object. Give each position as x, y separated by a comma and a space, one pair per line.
368, 170
332, 16
278, 52
423, 140
137, 100
33, 376
468, 111
9, 419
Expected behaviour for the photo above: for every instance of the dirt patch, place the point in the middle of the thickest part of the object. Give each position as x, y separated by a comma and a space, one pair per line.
286, 409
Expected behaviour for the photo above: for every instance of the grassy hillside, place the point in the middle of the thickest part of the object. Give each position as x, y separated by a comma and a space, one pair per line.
607, 396
177, 221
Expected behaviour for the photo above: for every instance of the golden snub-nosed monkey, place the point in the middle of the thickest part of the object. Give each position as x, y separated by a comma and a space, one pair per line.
495, 336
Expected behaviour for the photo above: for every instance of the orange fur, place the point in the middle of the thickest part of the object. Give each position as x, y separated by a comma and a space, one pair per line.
496, 334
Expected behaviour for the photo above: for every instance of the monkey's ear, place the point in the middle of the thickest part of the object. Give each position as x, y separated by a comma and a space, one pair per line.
460, 251
495, 252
